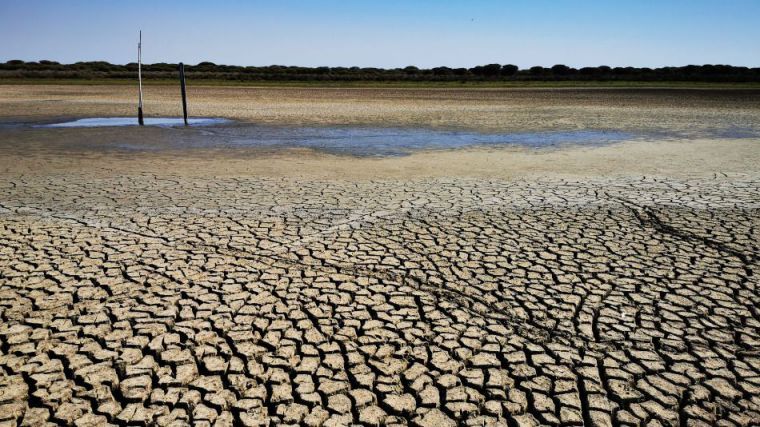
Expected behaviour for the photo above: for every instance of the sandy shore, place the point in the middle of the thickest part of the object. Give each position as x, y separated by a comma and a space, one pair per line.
577, 286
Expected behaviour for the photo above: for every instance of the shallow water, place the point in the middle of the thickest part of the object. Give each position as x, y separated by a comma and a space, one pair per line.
216, 133
132, 121
374, 141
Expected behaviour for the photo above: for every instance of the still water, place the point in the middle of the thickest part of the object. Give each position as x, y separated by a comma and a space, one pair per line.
218, 133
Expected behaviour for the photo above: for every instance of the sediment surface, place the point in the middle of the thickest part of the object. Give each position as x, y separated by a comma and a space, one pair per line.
607, 286
482, 109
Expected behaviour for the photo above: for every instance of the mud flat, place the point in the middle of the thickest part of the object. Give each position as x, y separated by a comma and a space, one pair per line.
504, 286
481, 109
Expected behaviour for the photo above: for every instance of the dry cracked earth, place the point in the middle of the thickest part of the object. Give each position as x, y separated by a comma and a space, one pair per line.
154, 299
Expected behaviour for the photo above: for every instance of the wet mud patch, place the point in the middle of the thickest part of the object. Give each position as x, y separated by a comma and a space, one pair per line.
169, 134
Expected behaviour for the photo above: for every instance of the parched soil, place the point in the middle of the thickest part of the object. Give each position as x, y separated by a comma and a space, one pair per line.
166, 299
612, 285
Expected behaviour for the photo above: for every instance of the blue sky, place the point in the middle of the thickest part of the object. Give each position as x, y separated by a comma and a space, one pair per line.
386, 33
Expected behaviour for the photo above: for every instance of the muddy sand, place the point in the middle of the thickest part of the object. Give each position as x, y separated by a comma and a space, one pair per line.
582, 285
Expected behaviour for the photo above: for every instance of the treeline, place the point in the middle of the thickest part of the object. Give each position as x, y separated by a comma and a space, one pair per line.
480, 73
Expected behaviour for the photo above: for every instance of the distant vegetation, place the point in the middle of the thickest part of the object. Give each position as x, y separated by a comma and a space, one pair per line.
50, 70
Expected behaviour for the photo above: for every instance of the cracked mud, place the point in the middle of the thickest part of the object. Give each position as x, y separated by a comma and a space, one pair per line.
145, 298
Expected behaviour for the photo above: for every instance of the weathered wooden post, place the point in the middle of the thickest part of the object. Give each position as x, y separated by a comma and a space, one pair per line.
139, 79
182, 85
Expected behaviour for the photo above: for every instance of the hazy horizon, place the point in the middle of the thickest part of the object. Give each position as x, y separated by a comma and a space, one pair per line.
388, 35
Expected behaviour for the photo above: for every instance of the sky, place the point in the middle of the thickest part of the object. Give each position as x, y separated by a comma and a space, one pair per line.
386, 33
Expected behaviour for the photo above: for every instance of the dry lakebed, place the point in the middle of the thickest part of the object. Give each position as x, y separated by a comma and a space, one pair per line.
368, 256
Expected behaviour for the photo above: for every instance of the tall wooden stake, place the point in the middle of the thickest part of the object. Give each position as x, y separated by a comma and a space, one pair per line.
182, 85
139, 79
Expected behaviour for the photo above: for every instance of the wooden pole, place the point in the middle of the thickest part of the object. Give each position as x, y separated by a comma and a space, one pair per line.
184, 95
139, 79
